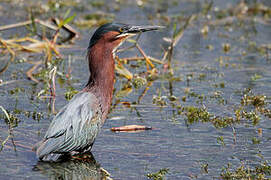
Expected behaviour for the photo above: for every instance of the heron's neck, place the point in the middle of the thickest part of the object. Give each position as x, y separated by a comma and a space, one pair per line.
101, 81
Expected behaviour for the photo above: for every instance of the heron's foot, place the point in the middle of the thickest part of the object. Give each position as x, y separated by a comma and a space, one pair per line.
83, 157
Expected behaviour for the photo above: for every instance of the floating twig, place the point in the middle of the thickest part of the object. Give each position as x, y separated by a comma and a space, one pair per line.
130, 128
149, 84
9, 129
29, 73
73, 33
8, 82
148, 62
51, 84
6, 113
132, 46
52, 87
177, 35
136, 58
24, 23
12, 56
123, 71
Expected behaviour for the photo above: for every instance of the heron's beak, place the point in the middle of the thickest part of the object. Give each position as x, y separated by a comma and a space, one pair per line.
133, 30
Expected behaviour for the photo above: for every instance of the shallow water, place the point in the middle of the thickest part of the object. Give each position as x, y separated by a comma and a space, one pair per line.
175, 143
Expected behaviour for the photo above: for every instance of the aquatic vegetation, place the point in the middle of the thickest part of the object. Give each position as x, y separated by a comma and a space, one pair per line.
194, 114
255, 140
204, 168
259, 172
256, 77
259, 102
159, 100
226, 47
138, 82
69, 94
158, 175
10, 118
220, 140
50, 47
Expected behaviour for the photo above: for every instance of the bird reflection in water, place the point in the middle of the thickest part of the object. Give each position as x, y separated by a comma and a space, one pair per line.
83, 167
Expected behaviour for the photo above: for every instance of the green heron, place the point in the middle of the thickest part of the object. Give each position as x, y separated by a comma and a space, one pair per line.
74, 129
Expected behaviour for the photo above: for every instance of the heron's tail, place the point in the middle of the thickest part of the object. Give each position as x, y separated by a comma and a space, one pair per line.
52, 157
43, 154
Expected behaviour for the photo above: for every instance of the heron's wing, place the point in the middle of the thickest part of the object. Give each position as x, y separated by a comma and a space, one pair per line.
80, 109
74, 127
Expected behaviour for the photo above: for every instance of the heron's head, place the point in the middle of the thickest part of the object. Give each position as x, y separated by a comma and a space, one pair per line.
113, 34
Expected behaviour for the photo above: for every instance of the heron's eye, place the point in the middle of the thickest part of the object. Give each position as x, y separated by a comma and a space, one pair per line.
121, 30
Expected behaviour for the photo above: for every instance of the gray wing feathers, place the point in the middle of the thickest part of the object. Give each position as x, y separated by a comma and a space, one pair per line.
74, 127
69, 114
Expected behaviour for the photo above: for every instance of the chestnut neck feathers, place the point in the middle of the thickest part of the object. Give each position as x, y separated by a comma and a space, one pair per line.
101, 66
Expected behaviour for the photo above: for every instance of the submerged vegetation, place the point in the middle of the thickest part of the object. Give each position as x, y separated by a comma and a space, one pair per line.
241, 112
260, 172
208, 69
158, 175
